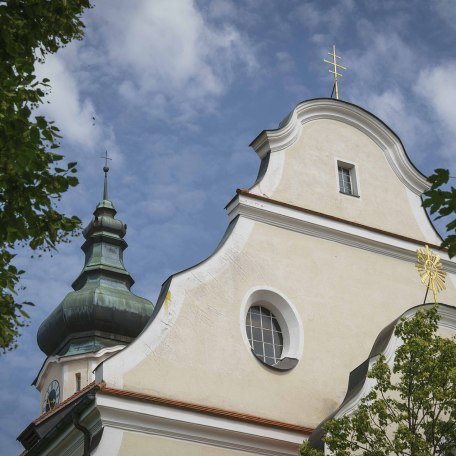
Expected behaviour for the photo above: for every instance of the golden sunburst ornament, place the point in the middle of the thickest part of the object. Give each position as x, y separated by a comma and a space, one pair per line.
431, 271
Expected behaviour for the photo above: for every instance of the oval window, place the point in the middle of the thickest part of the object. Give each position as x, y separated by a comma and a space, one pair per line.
264, 334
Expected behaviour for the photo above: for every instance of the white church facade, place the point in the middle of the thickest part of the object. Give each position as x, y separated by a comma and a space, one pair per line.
248, 351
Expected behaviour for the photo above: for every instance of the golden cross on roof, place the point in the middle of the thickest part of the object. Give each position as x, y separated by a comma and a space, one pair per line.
335, 66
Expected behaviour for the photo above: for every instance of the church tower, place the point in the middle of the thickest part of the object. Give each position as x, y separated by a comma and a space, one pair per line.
100, 317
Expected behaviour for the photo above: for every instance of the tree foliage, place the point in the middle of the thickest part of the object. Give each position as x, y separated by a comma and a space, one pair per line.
441, 201
411, 410
32, 178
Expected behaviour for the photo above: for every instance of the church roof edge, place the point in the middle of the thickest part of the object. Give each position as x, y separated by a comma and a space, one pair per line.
317, 108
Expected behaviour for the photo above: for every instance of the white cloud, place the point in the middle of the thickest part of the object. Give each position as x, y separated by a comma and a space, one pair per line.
75, 116
386, 57
437, 85
391, 106
421, 110
167, 48
379, 78
164, 57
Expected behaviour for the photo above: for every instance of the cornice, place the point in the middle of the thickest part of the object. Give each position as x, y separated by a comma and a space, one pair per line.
334, 229
205, 409
269, 141
128, 413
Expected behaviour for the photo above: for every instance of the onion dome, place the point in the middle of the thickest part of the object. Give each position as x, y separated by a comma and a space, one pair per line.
101, 311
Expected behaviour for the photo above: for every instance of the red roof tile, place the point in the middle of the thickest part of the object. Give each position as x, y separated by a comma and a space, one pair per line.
62, 404
204, 409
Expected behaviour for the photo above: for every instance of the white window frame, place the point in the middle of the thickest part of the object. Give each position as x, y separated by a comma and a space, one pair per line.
354, 178
285, 313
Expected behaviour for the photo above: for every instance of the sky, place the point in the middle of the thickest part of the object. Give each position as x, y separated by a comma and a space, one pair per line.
176, 90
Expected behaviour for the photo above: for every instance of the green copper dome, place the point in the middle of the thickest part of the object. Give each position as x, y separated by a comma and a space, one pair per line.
101, 311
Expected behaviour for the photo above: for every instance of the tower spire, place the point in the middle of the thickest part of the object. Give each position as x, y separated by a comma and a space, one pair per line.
102, 311
105, 170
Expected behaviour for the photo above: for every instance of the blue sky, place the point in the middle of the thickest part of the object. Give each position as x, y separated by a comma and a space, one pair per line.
176, 90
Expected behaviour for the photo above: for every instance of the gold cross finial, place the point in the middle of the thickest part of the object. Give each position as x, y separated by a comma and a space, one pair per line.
335, 66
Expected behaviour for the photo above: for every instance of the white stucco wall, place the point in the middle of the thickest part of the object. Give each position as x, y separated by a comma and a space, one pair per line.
64, 370
305, 175
344, 297
142, 445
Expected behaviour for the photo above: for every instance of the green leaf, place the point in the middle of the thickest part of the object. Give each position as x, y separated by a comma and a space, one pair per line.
32, 179
441, 203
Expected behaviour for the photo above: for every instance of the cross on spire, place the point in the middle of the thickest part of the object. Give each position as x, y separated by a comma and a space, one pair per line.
105, 169
335, 66
106, 158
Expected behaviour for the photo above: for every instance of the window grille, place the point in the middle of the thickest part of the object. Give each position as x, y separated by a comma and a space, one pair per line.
264, 334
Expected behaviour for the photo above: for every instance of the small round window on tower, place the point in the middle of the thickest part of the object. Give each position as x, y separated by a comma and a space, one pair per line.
264, 334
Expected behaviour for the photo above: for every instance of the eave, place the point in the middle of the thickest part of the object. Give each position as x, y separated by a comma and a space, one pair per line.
40, 430
188, 420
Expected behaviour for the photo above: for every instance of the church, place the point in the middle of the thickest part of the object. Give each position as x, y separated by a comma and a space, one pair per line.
250, 350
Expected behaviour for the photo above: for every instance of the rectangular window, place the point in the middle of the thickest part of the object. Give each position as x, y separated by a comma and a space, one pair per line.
345, 185
78, 381
347, 178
